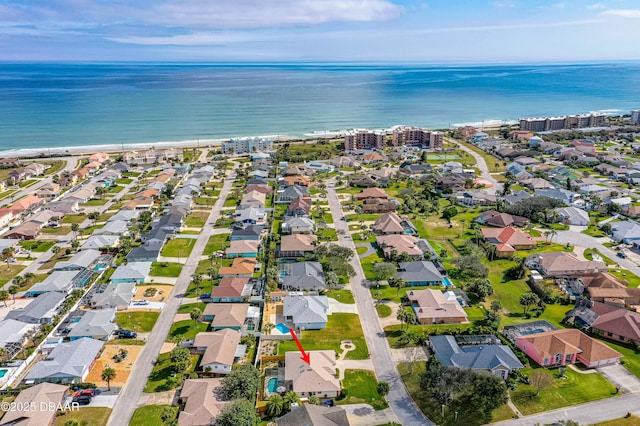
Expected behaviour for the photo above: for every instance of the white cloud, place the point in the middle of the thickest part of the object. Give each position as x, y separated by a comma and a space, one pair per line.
195, 39
597, 6
625, 13
502, 4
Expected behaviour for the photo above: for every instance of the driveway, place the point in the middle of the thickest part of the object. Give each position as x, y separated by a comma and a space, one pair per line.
365, 415
335, 306
150, 305
584, 240
370, 250
621, 377
482, 165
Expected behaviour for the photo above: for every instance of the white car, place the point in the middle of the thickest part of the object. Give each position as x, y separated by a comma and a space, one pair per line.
141, 302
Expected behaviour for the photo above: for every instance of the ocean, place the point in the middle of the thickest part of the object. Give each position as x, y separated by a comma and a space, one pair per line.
73, 105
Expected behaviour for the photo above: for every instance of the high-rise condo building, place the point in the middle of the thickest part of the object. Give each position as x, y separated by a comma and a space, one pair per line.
362, 139
417, 136
246, 145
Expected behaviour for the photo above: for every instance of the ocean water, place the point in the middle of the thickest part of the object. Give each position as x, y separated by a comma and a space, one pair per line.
70, 105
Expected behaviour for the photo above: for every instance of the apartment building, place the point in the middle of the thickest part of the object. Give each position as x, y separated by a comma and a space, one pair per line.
417, 136
543, 124
361, 139
635, 117
246, 145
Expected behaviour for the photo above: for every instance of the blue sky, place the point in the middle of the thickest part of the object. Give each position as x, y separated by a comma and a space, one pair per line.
320, 30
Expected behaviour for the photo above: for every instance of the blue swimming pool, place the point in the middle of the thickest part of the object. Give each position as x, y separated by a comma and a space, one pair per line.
447, 282
282, 328
272, 385
3, 371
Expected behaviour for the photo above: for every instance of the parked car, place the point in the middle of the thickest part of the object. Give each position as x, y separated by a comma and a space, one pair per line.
86, 392
82, 400
126, 334
621, 255
205, 296
10, 259
141, 302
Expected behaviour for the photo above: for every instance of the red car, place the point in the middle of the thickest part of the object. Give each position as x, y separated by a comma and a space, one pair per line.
86, 392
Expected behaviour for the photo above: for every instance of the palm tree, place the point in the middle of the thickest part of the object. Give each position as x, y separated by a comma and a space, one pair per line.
56, 249
268, 327
290, 398
75, 228
4, 295
19, 280
13, 289
275, 406
195, 314
108, 374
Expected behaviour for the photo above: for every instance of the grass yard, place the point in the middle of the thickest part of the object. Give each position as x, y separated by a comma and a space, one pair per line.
28, 182
186, 330
165, 269
216, 242
630, 358
196, 219
432, 409
342, 296
162, 370
124, 181
623, 421
360, 387
178, 247
576, 388
95, 202
60, 230
9, 270
205, 201
5, 194
364, 217
633, 279
188, 307
150, 415
130, 342
36, 245
231, 202
383, 311
55, 166
493, 163
340, 326
97, 416
361, 250
74, 218
367, 265
224, 222
140, 322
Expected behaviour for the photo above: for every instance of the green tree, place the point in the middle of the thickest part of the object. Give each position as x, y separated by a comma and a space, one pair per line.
470, 266
331, 279
179, 355
93, 216
75, 228
72, 422
496, 306
242, 382
384, 270
13, 289
56, 249
449, 213
275, 406
540, 380
314, 400
383, 388
4, 295
290, 398
480, 287
8, 252
529, 299
239, 412
195, 314
167, 414
108, 374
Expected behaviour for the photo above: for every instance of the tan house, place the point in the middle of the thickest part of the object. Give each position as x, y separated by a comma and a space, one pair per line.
48, 191
389, 223
317, 379
378, 205
142, 204
372, 193
99, 157
622, 297
243, 248
147, 194
41, 395
241, 267
25, 231
81, 173
432, 307
203, 402
226, 315
27, 204
554, 264
508, 240
616, 324
218, 350
265, 189
397, 244
253, 199
296, 245
296, 180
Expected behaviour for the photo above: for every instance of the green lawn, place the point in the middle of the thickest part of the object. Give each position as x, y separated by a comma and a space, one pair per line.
165, 269
383, 311
630, 358
95, 202
576, 388
115, 189
9, 270
7, 193
94, 416
124, 181
342, 296
224, 222
216, 242
36, 245
74, 218
55, 166
367, 265
432, 409
125, 342
60, 230
341, 326
188, 307
361, 250
623, 421
633, 279
141, 322
178, 247
360, 387
26, 183
196, 219
186, 329
231, 201
162, 370
365, 217
150, 415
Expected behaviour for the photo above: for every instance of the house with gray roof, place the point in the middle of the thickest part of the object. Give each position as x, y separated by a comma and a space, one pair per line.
292, 192
559, 194
573, 216
125, 215
516, 197
251, 232
96, 242
113, 227
421, 272
132, 272
298, 225
302, 276
480, 355
57, 281
627, 231
81, 260
145, 253
68, 362
314, 415
12, 335
306, 312
116, 296
251, 216
41, 310
96, 324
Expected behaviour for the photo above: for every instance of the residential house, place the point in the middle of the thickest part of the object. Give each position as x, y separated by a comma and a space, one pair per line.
557, 264
251, 216
81, 173
566, 346
229, 315
137, 204
265, 189
298, 225
82, 260
25, 231
608, 321
58, 281
291, 193
17, 175
173, 219
500, 220
302, 276
537, 184
623, 202
368, 180
240, 268
6, 217
97, 324
559, 194
116, 296
113, 227
419, 273
253, 199
573, 216
314, 415
68, 362
394, 245
41, 310
231, 290
306, 312
490, 356
507, 240
450, 183
251, 232
296, 245
296, 180
100, 157
81, 195
220, 350
65, 206
432, 307
378, 205
300, 206
478, 197
100, 242
203, 401
28, 204
132, 272
41, 395
372, 193
627, 232
622, 297
148, 252
48, 191
13, 336
243, 248
318, 378
391, 223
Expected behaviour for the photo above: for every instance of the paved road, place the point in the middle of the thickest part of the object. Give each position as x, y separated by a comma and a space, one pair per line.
401, 403
71, 165
128, 400
584, 414
482, 165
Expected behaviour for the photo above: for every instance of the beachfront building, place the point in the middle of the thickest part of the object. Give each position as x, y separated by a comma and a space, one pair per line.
362, 138
246, 145
543, 124
635, 117
417, 136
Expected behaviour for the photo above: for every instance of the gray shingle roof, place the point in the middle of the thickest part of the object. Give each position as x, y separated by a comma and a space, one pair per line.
302, 275
418, 271
306, 309
477, 357
95, 323
68, 359
41, 307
